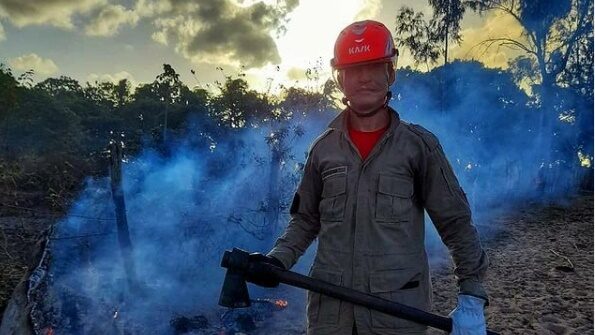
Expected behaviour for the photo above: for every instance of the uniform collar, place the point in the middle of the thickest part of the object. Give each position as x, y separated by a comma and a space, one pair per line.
340, 122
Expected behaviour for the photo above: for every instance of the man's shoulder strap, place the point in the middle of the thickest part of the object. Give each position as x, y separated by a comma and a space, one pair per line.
319, 138
429, 139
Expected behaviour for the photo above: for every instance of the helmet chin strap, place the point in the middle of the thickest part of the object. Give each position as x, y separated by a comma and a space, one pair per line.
375, 111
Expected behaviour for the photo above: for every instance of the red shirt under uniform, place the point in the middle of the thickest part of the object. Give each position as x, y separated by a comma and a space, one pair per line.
365, 140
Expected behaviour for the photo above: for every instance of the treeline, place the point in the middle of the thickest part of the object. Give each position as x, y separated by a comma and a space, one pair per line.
55, 133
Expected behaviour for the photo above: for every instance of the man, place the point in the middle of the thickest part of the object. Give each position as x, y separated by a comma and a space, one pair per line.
366, 183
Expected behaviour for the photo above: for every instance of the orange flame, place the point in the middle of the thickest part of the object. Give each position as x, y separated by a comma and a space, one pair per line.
281, 303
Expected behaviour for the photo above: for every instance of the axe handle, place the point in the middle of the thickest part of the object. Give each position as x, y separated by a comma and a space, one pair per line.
360, 298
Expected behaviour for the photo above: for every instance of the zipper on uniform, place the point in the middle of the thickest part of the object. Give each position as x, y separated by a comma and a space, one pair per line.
354, 225
354, 207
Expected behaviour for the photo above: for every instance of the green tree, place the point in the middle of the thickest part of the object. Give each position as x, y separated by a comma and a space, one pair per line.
168, 87
557, 36
557, 42
9, 93
62, 87
237, 106
447, 21
427, 40
41, 125
153, 103
9, 87
418, 36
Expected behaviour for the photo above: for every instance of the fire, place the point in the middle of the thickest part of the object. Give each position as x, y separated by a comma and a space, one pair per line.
49, 331
281, 303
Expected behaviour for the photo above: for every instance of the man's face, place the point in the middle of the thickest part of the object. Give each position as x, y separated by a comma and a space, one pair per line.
365, 86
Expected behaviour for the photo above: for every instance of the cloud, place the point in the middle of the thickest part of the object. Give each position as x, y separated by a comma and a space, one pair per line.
149, 8
57, 13
160, 37
2, 34
222, 31
98, 17
496, 25
113, 78
109, 20
33, 62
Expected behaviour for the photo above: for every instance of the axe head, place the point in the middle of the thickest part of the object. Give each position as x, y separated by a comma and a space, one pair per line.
234, 293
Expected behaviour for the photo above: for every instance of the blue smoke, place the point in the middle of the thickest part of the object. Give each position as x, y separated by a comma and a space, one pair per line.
184, 210
492, 134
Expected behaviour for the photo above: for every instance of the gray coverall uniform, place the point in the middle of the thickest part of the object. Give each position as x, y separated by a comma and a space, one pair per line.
368, 216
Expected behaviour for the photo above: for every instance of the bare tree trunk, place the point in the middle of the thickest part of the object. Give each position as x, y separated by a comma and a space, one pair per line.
446, 45
165, 125
442, 80
273, 197
121, 220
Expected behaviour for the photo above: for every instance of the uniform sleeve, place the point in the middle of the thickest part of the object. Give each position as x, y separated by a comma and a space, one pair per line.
304, 223
447, 206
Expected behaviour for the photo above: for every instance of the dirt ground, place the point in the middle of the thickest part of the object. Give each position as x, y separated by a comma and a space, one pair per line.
541, 274
540, 279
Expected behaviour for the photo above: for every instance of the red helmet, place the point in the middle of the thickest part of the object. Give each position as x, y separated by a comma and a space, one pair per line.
364, 42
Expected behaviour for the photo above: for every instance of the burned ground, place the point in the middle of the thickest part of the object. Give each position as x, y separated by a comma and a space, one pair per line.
540, 279
23, 225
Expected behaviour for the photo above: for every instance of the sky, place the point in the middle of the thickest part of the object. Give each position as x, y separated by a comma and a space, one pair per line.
273, 42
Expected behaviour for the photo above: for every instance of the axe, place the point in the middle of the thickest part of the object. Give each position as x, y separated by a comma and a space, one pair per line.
234, 293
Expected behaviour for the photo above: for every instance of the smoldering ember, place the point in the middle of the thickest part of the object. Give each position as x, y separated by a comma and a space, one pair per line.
119, 200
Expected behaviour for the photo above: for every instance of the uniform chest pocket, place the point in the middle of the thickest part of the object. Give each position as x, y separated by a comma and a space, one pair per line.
393, 199
334, 194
